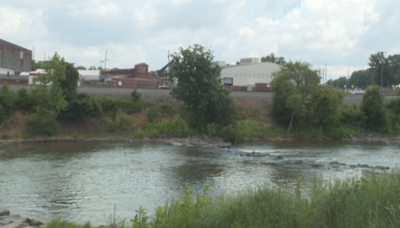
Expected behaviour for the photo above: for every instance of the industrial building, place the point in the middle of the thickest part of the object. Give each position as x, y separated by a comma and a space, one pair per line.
14, 59
249, 75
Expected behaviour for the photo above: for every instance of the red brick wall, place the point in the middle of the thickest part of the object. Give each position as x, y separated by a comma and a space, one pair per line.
15, 81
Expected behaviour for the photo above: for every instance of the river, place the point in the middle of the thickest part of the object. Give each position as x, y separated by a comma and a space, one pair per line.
84, 181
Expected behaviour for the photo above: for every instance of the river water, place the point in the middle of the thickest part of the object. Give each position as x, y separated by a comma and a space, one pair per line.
84, 181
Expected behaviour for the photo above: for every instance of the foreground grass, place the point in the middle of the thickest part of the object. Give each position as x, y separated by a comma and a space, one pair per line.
371, 202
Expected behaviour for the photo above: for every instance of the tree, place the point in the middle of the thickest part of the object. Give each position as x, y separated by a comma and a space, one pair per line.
81, 68
326, 107
7, 102
390, 66
200, 87
373, 110
361, 78
272, 59
339, 83
92, 68
49, 103
294, 84
70, 83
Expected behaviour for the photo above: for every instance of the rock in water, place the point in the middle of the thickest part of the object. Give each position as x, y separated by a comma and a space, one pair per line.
33, 222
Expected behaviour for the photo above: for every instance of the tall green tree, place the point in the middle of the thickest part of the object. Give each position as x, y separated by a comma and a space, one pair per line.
339, 82
384, 69
372, 108
273, 59
361, 78
70, 84
49, 102
200, 87
326, 106
294, 84
7, 102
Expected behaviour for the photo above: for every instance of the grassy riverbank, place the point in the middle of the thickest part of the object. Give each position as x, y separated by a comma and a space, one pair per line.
365, 202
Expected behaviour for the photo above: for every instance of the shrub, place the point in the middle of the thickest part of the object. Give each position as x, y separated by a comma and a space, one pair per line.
83, 106
25, 100
109, 106
158, 111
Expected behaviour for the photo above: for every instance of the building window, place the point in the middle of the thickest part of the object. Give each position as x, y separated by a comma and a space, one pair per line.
228, 81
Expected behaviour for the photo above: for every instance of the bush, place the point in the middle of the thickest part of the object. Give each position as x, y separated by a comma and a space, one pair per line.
83, 106
25, 100
42, 122
158, 111
7, 102
109, 106
373, 110
123, 124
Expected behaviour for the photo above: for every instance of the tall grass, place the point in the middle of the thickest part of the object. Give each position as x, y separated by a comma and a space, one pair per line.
363, 202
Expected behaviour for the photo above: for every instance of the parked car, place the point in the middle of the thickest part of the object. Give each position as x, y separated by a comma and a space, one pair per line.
357, 91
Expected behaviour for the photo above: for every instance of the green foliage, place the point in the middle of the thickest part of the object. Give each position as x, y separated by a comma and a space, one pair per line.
294, 85
70, 83
339, 83
109, 106
158, 111
326, 107
352, 115
24, 100
124, 123
136, 96
356, 203
247, 130
273, 59
393, 112
49, 103
372, 109
7, 102
42, 122
200, 87
361, 79
83, 106
212, 130
390, 65
178, 128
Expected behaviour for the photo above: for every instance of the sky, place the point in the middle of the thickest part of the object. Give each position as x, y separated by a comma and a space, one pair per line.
340, 34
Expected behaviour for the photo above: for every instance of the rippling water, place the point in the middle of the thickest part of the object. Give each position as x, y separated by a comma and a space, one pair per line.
84, 181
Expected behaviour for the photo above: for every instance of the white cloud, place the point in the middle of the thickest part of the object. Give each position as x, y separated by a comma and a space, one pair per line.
340, 33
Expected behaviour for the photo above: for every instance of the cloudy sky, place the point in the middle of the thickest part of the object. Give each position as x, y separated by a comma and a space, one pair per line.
339, 33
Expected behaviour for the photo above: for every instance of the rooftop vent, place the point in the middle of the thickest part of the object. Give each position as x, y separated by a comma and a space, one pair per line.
249, 61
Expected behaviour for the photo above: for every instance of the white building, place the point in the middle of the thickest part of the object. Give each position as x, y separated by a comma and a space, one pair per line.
249, 72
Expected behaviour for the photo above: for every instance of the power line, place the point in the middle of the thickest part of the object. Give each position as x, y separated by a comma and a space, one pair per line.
63, 11
33, 6
136, 22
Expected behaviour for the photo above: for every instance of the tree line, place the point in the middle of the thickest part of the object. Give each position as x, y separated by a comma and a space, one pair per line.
383, 71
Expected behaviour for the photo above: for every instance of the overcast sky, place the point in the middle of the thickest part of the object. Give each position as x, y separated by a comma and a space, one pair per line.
339, 33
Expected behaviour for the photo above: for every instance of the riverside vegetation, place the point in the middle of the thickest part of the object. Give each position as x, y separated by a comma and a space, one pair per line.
365, 202
300, 106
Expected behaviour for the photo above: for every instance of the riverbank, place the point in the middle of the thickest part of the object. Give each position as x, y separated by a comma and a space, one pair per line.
367, 202
200, 140
8, 220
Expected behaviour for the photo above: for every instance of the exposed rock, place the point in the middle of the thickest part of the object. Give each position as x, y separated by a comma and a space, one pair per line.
33, 222
4, 212
334, 163
224, 145
381, 167
362, 166
279, 157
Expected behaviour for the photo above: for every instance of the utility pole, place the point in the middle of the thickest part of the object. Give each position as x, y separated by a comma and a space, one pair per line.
382, 61
105, 65
326, 72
